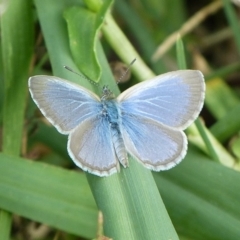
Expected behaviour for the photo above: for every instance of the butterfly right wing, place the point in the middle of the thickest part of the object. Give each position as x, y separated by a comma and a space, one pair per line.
154, 114
63, 103
91, 148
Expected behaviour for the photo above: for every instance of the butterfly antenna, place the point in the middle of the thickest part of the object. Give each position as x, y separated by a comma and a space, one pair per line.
81, 75
124, 74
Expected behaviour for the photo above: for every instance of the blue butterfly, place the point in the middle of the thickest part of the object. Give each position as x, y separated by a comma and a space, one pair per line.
146, 121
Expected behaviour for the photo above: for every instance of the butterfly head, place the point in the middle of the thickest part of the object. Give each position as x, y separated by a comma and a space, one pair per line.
106, 93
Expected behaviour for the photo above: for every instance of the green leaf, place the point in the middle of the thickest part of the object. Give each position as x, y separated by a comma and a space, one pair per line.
50, 14
44, 193
83, 26
17, 47
202, 198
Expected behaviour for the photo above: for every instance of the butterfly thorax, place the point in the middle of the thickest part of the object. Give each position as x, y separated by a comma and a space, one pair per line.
110, 111
109, 107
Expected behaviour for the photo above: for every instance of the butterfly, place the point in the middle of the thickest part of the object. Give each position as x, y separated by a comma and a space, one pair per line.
146, 121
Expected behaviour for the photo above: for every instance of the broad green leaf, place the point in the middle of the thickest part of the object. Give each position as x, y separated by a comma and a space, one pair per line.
83, 26
48, 194
50, 14
202, 198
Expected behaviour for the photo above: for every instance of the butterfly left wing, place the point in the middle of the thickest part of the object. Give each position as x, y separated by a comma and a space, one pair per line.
173, 99
91, 148
63, 103
156, 146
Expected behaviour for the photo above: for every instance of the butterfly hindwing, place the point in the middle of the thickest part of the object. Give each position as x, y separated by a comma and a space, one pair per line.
91, 148
156, 146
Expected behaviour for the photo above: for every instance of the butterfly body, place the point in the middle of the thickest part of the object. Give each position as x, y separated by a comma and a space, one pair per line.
145, 121
111, 114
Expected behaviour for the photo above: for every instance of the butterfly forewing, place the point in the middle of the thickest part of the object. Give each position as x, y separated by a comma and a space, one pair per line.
174, 99
63, 103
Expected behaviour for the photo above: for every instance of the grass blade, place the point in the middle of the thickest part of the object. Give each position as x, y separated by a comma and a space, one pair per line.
16, 57
57, 197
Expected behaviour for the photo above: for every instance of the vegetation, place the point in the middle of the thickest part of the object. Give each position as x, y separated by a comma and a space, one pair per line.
198, 199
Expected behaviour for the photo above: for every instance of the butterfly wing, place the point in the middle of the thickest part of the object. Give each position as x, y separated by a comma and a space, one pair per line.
63, 103
173, 99
91, 148
154, 114
156, 146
